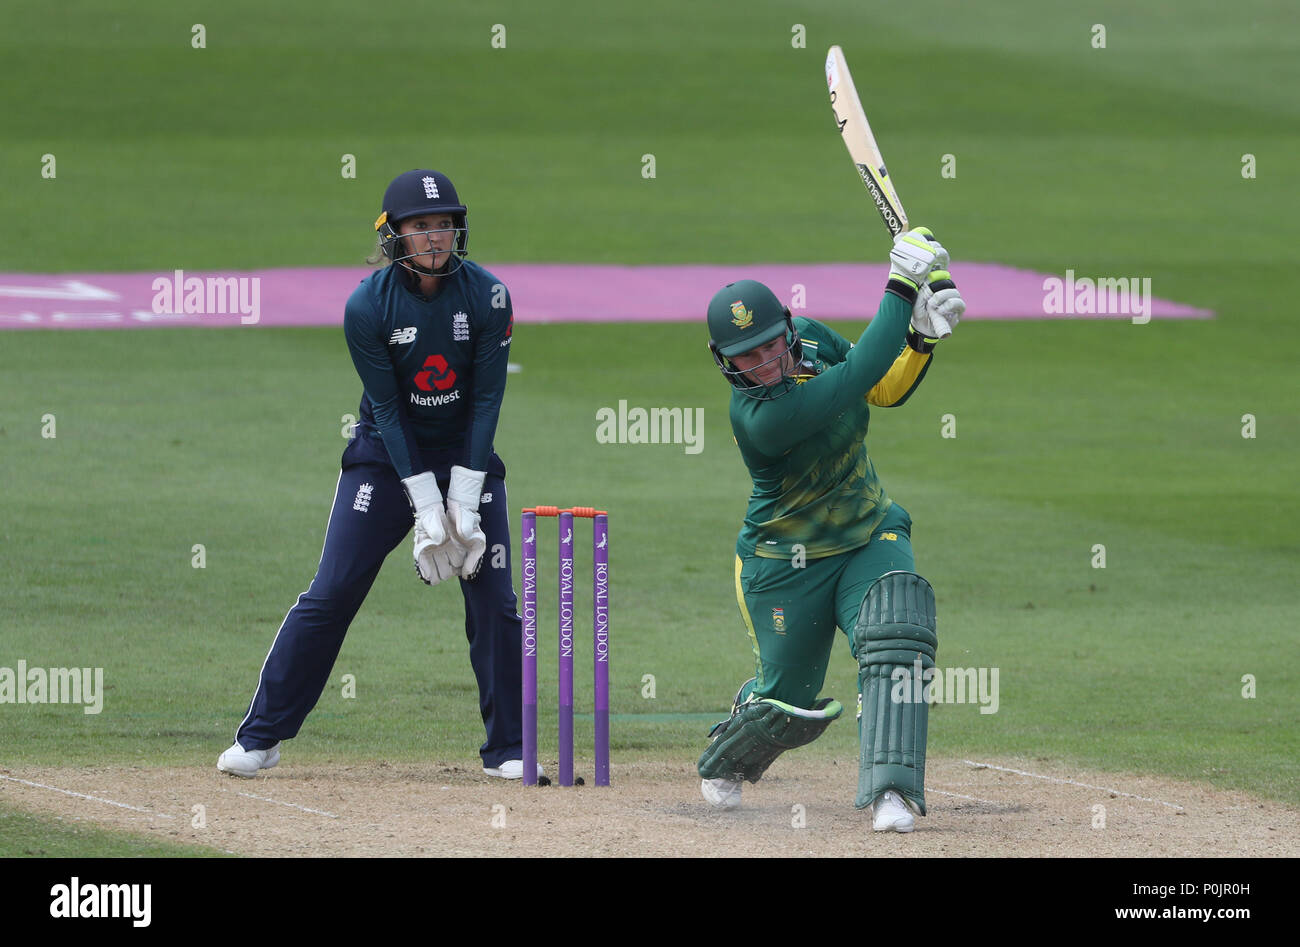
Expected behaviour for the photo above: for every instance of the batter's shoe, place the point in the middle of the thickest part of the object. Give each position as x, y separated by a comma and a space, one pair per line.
889, 814
511, 769
245, 763
721, 793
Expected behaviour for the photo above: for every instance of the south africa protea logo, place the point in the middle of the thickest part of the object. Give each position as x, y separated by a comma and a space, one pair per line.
740, 316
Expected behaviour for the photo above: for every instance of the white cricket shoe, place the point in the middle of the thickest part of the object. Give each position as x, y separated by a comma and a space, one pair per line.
512, 769
890, 814
721, 793
245, 763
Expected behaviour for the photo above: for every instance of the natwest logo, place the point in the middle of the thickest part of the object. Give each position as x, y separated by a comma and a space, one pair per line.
436, 371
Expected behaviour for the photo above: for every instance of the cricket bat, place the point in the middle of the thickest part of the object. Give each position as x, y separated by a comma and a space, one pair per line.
856, 132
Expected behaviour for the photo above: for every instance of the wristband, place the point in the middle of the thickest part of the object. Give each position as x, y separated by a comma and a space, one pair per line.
919, 343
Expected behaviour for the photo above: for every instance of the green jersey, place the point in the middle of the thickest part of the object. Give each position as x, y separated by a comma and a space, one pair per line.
814, 485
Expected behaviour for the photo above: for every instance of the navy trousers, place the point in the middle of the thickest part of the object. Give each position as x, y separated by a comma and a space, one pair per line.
371, 515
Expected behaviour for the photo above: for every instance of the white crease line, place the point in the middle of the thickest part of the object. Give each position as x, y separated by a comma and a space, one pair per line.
971, 798
1054, 779
289, 804
82, 795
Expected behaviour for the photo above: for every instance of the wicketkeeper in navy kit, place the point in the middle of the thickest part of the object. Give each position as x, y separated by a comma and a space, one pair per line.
822, 545
430, 337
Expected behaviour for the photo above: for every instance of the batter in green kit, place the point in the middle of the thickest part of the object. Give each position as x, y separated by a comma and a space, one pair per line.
823, 547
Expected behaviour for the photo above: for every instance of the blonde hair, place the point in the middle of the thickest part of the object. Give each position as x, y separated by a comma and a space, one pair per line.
378, 258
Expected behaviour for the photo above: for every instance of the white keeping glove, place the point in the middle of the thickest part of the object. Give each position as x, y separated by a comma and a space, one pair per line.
438, 555
463, 494
435, 562
913, 257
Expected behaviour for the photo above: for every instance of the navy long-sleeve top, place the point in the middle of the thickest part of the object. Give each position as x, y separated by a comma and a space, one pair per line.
433, 368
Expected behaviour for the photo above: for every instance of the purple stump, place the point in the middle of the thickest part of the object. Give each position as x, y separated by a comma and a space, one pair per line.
600, 641
528, 639
566, 648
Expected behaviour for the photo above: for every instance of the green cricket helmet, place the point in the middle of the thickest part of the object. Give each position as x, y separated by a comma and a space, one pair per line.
742, 316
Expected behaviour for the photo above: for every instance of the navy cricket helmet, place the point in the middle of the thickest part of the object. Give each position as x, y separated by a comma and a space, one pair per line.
415, 193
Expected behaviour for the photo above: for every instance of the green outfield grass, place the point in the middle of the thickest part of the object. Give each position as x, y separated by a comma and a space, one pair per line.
1135, 666
28, 836
1118, 162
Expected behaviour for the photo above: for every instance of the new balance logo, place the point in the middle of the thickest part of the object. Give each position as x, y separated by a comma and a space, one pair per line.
362, 503
484, 499
403, 336
430, 187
